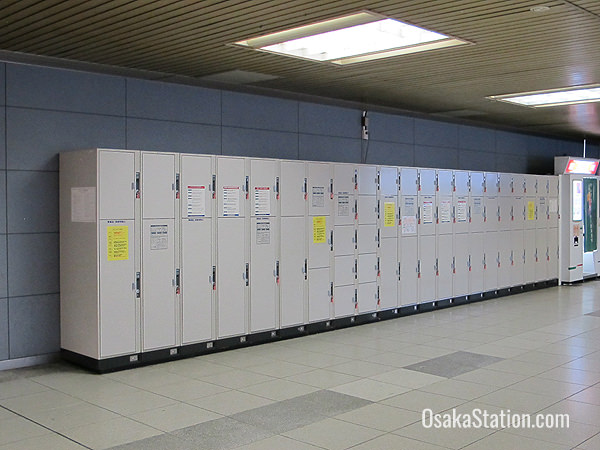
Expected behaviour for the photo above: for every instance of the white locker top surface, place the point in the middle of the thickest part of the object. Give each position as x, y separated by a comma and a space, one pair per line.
158, 185
264, 187
408, 181
196, 186
367, 180
231, 190
461, 182
427, 181
116, 176
506, 186
388, 181
320, 184
293, 186
477, 183
490, 184
445, 182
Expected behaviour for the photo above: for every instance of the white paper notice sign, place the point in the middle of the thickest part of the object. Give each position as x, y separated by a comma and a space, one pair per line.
196, 201
231, 201
159, 237
83, 204
461, 210
477, 206
262, 201
553, 205
409, 225
427, 211
446, 211
263, 233
343, 206
409, 215
318, 196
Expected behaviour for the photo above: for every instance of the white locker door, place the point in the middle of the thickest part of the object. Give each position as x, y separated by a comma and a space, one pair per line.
344, 238
506, 184
388, 279
553, 186
444, 214
319, 241
530, 211
367, 268
319, 189
444, 265
231, 276
552, 256
263, 274
476, 214
344, 194
553, 212
232, 184
409, 257
541, 214
292, 271
388, 220
408, 215
445, 182
507, 258
118, 329
158, 185
196, 248
519, 185
491, 184
345, 301
116, 181
461, 182
427, 181
345, 270
477, 183
367, 180
478, 265
367, 239
367, 297
319, 294
367, 209
518, 267
427, 215
409, 181
462, 264
492, 261
388, 181
264, 184
531, 256
541, 255
427, 259
292, 188
518, 208
491, 214
159, 309
505, 208
530, 185
196, 279
461, 214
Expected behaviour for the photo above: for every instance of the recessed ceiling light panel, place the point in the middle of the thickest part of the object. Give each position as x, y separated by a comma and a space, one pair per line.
350, 39
553, 97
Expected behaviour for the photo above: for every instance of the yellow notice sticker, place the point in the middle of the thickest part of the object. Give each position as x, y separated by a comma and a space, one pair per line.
319, 230
117, 239
531, 210
389, 214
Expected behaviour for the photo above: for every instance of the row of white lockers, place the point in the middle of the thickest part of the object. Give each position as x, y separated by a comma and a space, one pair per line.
160, 250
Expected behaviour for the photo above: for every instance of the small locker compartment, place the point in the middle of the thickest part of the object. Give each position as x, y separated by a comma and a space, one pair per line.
344, 183
320, 185
477, 217
293, 188
320, 294
367, 239
505, 187
491, 184
344, 239
367, 180
491, 214
367, 297
345, 301
345, 270
367, 209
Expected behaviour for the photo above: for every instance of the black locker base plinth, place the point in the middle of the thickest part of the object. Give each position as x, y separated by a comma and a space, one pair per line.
389, 314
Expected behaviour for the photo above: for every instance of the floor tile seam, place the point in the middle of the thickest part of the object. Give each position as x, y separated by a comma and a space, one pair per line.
497, 388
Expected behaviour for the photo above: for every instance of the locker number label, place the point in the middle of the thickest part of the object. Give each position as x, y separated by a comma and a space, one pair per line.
389, 214
319, 230
117, 239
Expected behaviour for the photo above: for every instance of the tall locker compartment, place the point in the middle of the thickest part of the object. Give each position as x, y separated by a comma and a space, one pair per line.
368, 239
479, 264
541, 227
492, 256
517, 276
345, 180
233, 268
444, 230
553, 214
160, 274
408, 242
99, 259
293, 270
388, 250
264, 244
198, 269
320, 241
427, 239
462, 252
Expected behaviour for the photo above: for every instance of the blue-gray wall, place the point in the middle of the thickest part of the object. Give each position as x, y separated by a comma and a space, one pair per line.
44, 111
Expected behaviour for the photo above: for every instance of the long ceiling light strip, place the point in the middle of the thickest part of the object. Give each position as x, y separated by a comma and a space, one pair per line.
554, 97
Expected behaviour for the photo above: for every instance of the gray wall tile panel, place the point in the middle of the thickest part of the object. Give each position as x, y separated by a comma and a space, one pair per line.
3, 328
3, 267
2, 81
511, 163
34, 325
389, 153
543, 165
167, 101
476, 160
436, 157
34, 137
475, 138
513, 143
64, 90
436, 134
326, 148
32, 264
329, 120
32, 201
2, 201
259, 143
254, 111
145, 134
2, 138
391, 128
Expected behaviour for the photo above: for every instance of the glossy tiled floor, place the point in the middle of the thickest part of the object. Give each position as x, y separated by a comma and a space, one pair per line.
362, 388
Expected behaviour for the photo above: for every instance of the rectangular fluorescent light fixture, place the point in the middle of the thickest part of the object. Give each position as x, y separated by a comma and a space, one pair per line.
553, 97
351, 39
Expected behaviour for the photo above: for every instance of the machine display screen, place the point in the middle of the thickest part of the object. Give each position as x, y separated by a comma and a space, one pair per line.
581, 166
577, 200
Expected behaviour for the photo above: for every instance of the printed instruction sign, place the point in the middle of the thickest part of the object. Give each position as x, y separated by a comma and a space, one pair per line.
446, 211
553, 205
319, 230
231, 201
159, 237
196, 201
427, 211
477, 206
318, 196
262, 201
461, 209
409, 215
263, 233
117, 241
531, 210
389, 214
343, 204
83, 204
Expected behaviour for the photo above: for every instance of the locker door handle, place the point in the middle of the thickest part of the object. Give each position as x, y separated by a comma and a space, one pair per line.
138, 284
137, 185
214, 278
331, 235
177, 195
277, 272
177, 281
305, 270
277, 187
305, 189
247, 274
247, 187
214, 186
